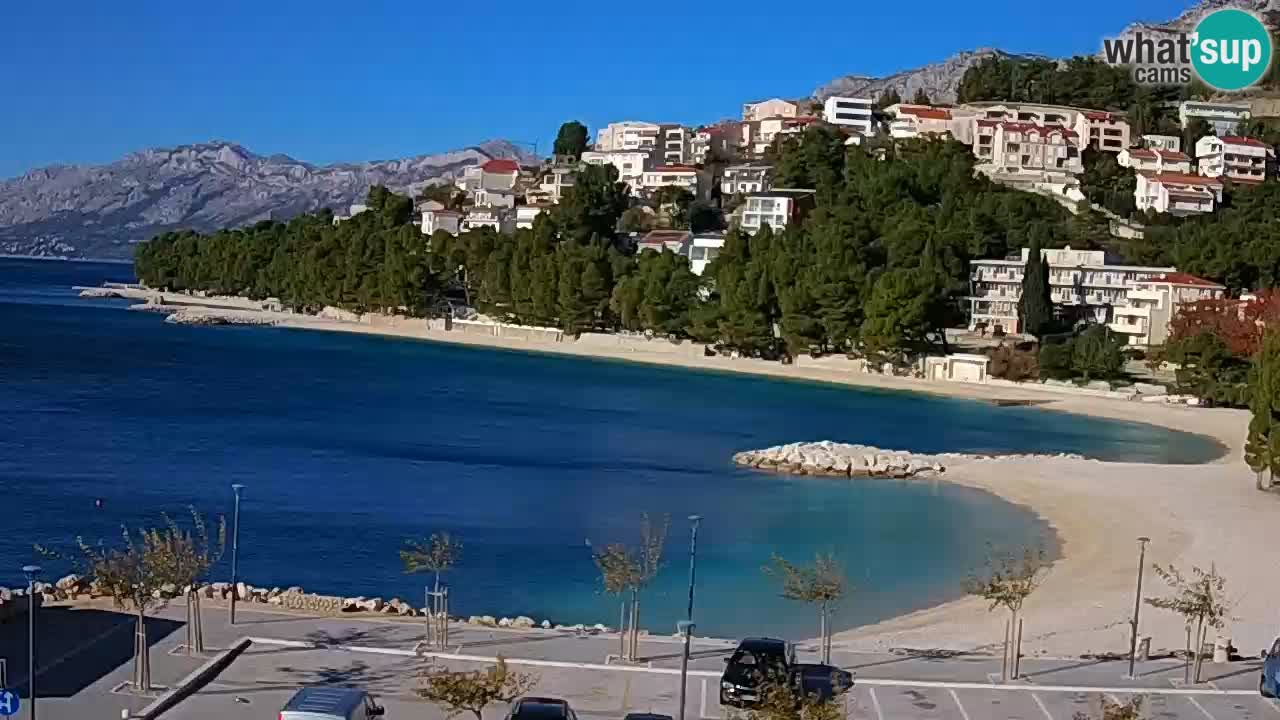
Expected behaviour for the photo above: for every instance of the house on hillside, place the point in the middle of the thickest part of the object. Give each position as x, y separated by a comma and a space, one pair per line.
774, 107
434, 219
1149, 306
1023, 147
703, 249
500, 219
1177, 193
630, 164
776, 208
1222, 117
1154, 160
677, 241
746, 179
855, 114
683, 176
719, 140
499, 175
1240, 159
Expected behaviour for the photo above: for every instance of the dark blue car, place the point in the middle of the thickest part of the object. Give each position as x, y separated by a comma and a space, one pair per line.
1269, 683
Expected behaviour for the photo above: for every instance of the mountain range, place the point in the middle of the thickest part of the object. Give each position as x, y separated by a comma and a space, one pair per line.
101, 211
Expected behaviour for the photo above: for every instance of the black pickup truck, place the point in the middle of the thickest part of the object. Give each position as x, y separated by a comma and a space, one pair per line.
757, 659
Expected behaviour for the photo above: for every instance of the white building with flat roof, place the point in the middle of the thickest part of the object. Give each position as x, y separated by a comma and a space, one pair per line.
1241, 159
1176, 193
682, 176
628, 135
1222, 117
776, 208
745, 179
434, 219
1172, 143
703, 249
854, 114
1081, 283
630, 164
1144, 318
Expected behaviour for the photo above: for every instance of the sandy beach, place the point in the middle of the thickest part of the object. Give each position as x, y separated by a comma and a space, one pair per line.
1195, 515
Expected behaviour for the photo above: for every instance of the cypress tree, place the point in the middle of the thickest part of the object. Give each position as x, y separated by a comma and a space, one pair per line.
1262, 444
1035, 306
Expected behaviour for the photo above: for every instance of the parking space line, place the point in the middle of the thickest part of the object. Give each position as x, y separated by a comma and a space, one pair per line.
1043, 709
1201, 708
875, 703
963, 713
46, 667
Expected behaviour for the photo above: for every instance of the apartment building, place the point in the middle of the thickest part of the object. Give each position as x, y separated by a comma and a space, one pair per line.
774, 107
703, 249
495, 198
1241, 159
1082, 285
854, 114
525, 215
630, 164
628, 135
683, 176
1024, 147
1154, 160
1094, 128
556, 180
500, 219
776, 208
1103, 131
1162, 142
434, 219
675, 144
1224, 118
759, 135
1149, 306
1177, 193
720, 140
499, 174
746, 179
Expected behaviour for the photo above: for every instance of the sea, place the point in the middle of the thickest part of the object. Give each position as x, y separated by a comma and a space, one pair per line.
348, 445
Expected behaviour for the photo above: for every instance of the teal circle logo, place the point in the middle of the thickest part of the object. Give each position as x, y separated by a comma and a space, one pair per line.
1231, 49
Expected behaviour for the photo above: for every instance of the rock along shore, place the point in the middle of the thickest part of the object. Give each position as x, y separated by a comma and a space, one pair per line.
846, 460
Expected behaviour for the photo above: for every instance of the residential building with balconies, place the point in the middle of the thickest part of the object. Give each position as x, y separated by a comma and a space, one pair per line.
683, 176
630, 164
434, 219
1176, 193
1150, 305
1240, 159
746, 179
703, 249
1172, 143
1154, 160
719, 140
500, 219
856, 114
1099, 129
1021, 147
628, 135
1082, 285
1224, 118
776, 208
916, 121
525, 215
674, 145
1103, 131
556, 180
774, 107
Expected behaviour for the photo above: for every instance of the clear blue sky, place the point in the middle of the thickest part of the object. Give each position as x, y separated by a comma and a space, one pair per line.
86, 81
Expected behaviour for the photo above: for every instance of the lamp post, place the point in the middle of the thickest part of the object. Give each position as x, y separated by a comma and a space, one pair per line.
1137, 601
693, 560
686, 629
31, 571
235, 551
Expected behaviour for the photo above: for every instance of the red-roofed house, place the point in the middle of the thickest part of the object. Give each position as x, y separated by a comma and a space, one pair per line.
1149, 306
719, 140
1023, 147
1241, 159
658, 240
1176, 193
1154, 160
499, 174
1096, 128
913, 121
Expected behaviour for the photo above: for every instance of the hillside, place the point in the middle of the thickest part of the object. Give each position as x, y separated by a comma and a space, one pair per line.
100, 211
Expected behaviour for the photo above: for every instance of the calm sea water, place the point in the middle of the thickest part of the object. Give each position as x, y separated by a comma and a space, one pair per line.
349, 444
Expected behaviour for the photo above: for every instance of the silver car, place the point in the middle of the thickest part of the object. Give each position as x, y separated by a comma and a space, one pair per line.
331, 703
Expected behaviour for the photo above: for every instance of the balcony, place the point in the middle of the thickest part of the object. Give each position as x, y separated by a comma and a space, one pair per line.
1131, 311
1127, 329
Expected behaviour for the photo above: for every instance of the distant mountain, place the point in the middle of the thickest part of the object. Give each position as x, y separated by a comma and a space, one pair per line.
941, 80
101, 211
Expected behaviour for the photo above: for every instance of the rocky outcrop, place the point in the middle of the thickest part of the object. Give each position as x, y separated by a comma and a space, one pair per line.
101, 211
207, 316
839, 459
939, 80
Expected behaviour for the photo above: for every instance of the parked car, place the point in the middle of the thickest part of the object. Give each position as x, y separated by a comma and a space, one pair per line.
1269, 684
823, 681
331, 703
540, 708
754, 660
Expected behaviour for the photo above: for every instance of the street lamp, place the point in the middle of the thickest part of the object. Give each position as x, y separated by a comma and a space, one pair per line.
31, 571
693, 560
235, 551
1137, 601
686, 629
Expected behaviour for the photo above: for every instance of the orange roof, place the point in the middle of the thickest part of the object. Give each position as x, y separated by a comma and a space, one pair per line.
1153, 153
1181, 278
1028, 127
1181, 179
501, 166
674, 168
1239, 140
928, 113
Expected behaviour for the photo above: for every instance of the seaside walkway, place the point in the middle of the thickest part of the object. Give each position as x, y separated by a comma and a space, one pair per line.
85, 653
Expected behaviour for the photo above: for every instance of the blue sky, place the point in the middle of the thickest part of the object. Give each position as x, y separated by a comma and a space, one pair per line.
85, 81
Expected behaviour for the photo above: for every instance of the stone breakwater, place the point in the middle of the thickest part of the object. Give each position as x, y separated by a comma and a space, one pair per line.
13, 602
846, 460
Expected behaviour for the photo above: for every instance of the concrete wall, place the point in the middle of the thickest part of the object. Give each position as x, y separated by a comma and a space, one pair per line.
832, 362
639, 343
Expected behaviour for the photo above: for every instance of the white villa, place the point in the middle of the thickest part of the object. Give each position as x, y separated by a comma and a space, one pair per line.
1177, 193
1242, 159
1150, 305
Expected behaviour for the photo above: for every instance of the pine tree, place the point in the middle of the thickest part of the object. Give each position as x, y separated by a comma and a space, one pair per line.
1035, 307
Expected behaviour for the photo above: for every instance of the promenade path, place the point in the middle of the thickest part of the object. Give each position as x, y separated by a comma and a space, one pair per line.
85, 652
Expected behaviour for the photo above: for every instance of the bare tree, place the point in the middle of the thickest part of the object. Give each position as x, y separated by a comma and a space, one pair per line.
1200, 600
624, 570
473, 691
437, 554
192, 553
1131, 710
1008, 580
823, 585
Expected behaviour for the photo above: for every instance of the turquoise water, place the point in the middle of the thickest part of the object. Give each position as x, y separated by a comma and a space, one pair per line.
349, 444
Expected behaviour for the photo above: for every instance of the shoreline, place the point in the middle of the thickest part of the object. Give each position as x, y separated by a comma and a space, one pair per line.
1094, 509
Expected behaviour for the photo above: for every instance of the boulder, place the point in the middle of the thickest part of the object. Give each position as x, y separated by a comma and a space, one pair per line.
504, 622
1099, 385
242, 591
355, 604
373, 604
169, 590
487, 621
1148, 389
522, 622
71, 583
546, 624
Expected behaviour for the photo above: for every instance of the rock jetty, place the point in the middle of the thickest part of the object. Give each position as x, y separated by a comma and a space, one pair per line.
840, 459
206, 316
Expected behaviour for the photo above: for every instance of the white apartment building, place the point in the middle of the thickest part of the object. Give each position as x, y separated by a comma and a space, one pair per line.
525, 215
1022, 147
1080, 281
1154, 160
469, 180
703, 249
851, 113
434, 219
628, 135
916, 121
746, 179
630, 164
499, 174
1241, 159
1094, 128
1103, 130
556, 181
776, 208
1162, 142
495, 198
1222, 117
676, 144
1144, 318
774, 107
1176, 193
758, 135
683, 176
500, 219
